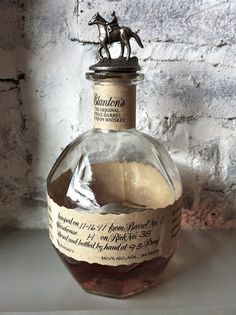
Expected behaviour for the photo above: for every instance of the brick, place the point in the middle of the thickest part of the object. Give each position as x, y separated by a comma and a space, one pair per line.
202, 23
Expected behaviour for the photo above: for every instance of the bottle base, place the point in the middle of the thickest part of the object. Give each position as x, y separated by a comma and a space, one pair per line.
116, 281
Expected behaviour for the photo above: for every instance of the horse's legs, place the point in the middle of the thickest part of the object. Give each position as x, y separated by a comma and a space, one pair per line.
122, 49
100, 52
127, 44
125, 41
107, 51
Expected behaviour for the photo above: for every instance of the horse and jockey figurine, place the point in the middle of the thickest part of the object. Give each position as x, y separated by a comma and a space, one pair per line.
111, 32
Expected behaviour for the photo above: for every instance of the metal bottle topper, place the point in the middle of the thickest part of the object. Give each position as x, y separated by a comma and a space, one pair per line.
111, 32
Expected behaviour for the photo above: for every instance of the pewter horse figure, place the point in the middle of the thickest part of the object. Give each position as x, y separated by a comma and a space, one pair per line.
120, 34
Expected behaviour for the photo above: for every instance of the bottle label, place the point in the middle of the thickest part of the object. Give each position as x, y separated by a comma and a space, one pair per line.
114, 106
114, 239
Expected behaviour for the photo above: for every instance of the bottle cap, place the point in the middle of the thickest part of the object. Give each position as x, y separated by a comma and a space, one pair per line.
109, 33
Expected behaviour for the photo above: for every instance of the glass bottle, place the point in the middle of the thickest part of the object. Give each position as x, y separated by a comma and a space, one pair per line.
114, 194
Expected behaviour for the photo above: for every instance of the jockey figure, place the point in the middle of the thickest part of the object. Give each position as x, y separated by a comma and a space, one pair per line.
113, 24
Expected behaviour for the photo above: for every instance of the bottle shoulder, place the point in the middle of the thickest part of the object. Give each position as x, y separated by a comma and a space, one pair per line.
115, 138
99, 145
122, 162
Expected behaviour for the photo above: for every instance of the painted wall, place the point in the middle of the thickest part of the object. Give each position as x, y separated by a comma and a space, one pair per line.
188, 99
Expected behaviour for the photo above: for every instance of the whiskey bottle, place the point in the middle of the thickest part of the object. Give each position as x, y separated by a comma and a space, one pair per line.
114, 194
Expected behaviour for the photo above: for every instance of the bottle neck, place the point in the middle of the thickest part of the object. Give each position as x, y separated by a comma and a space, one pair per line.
114, 105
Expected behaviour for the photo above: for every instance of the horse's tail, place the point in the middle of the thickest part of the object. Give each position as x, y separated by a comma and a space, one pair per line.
137, 38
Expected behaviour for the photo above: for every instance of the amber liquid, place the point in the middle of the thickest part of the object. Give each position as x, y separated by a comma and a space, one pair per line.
114, 281
118, 281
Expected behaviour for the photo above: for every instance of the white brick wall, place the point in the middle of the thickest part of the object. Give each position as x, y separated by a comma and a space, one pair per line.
188, 99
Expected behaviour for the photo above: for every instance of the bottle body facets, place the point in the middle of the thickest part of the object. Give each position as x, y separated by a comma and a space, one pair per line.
114, 198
